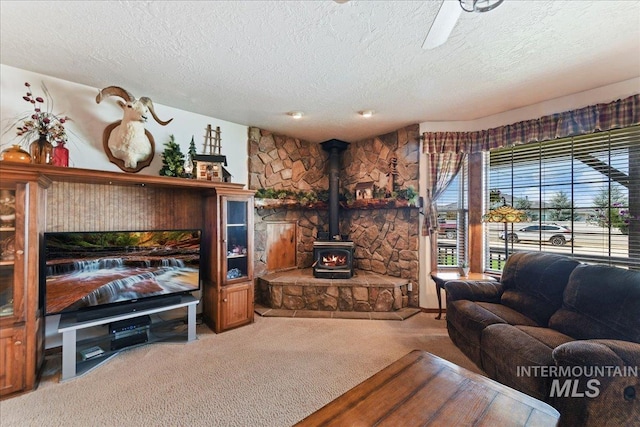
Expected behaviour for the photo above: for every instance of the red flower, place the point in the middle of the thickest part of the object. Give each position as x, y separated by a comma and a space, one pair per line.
41, 123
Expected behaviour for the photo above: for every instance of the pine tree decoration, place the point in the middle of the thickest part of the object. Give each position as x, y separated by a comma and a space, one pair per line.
172, 159
192, 153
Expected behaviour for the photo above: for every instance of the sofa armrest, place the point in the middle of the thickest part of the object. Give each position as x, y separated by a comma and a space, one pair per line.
473, 290
597, 352
608, 395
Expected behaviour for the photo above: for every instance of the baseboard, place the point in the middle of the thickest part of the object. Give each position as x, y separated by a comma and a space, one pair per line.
432, 310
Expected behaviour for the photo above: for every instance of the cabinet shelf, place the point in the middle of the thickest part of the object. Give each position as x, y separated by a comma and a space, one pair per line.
158, 331
174, 330
242, 278
21, 325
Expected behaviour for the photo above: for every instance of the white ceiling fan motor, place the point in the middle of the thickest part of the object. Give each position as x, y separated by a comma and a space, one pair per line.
448, 15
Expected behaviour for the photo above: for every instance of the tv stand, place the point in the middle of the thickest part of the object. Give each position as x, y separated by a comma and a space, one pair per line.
80, 357
83, 316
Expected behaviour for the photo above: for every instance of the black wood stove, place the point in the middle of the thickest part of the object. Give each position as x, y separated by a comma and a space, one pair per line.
333, 257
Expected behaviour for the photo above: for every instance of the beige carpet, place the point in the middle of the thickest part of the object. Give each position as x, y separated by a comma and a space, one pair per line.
271, 373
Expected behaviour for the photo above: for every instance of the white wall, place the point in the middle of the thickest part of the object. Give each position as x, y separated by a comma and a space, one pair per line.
88, 120
603, 94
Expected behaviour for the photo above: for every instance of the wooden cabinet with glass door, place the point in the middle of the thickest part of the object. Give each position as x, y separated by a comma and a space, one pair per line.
228, 285
21, 331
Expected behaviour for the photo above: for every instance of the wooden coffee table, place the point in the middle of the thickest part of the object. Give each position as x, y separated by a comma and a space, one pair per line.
440, 277
422, 389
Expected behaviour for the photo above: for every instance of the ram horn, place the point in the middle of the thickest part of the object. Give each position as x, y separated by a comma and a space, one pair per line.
147, 101
114, 91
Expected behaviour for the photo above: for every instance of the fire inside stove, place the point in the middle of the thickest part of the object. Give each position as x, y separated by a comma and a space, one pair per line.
333, 260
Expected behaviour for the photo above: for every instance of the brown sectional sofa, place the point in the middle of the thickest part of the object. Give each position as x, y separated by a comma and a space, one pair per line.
546, 327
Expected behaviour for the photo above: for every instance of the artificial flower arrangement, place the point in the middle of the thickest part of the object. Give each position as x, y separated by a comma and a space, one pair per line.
42, 122
41, 128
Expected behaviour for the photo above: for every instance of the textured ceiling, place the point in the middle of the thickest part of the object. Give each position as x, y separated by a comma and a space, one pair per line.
250, 62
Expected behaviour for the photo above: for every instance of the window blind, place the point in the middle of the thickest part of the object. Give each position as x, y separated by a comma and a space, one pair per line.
589, 184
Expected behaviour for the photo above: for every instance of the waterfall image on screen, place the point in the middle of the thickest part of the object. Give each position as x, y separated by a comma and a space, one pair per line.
87, 270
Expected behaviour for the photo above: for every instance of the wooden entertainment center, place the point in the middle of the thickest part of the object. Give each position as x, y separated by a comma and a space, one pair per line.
50, 198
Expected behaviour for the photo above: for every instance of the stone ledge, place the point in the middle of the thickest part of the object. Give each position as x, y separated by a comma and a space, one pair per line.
304, 277
401, 314
366, 292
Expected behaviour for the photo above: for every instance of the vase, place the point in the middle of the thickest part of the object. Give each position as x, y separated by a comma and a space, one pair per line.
16, 154
41, 151
60, 155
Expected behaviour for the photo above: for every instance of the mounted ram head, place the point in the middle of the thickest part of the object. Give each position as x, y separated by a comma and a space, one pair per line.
127, 143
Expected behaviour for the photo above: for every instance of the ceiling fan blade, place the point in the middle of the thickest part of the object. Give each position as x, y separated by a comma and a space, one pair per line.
443, 24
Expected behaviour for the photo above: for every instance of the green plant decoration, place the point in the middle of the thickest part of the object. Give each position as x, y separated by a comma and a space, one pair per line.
409, 194
172, 159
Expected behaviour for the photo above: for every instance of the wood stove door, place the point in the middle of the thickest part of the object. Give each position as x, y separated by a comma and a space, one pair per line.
334, 258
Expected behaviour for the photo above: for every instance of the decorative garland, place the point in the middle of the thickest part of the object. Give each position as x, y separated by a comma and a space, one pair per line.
309, 197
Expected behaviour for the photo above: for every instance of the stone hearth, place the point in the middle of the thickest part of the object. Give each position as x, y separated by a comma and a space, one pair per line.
365, 292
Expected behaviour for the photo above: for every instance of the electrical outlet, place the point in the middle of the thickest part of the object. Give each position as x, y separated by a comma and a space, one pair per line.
409, 286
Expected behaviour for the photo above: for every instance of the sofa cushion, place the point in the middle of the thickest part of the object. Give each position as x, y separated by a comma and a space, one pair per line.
600, 302
466, 320
507, 348
534, 283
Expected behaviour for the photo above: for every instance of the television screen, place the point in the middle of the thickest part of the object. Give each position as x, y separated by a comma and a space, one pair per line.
89, 270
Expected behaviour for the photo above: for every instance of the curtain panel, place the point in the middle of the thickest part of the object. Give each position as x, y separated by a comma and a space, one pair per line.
443, 168
599, 117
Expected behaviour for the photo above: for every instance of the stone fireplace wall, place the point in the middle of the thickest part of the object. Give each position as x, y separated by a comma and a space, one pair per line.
386, 239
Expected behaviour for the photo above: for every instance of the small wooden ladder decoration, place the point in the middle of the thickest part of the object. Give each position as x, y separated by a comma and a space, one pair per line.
212, 140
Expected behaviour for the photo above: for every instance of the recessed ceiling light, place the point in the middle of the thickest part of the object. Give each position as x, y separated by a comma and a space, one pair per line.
366, 113
296, 114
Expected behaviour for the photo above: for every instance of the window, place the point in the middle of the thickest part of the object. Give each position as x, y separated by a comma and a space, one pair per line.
580, 194
452, 221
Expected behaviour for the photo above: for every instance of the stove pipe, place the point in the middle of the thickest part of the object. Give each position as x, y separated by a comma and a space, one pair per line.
334, 147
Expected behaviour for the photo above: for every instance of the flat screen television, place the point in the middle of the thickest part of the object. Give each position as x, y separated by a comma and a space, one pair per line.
98, 274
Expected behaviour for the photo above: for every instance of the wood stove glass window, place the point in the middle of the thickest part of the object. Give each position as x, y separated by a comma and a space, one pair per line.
334, 258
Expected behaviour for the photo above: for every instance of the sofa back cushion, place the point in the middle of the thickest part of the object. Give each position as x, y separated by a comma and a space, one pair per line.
534, 283
600, 302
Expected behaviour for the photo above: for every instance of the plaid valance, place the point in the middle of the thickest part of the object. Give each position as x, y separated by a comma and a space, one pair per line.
599, 117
